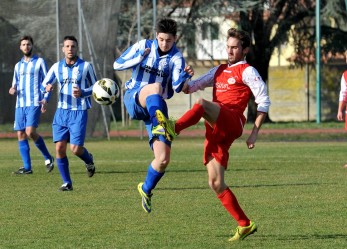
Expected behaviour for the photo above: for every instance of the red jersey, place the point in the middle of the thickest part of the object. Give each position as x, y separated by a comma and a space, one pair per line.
343, 87
233, 86
229, 88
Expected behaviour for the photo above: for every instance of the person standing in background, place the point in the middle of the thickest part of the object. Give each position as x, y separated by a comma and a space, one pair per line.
75, 78
343, 99
28, 75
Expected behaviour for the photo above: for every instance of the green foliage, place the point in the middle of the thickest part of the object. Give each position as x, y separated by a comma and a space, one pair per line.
294, 191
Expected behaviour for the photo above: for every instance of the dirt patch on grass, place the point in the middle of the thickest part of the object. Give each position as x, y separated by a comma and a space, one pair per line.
199, 132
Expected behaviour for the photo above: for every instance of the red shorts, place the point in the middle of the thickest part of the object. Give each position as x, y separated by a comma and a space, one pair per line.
229, 126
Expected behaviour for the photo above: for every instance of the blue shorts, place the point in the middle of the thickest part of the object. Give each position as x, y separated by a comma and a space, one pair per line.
70, 126
151, 137
27, 117
136, 111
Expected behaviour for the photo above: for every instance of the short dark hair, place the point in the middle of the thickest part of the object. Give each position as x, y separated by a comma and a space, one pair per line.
26, 38
243, 36
167, 25
71, 38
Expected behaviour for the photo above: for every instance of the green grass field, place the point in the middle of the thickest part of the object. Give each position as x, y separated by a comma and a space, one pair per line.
294, 191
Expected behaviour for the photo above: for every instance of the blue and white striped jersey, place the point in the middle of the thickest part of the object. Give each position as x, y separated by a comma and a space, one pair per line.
27, 79
81, 73
167, 69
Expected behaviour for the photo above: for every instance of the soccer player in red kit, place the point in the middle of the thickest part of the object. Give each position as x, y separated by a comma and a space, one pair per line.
233, 85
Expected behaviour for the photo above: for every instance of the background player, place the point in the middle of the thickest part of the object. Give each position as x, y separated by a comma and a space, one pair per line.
343, 98
28, 75
158, 70
75, 79
233, 85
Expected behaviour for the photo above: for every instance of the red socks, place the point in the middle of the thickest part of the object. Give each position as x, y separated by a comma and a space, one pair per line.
229, 201
191, 117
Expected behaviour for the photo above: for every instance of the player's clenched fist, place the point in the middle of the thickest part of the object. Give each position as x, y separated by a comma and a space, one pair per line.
12, 91
190, 70
49, 88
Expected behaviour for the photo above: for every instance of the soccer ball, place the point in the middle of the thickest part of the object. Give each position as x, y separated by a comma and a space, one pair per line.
105, 91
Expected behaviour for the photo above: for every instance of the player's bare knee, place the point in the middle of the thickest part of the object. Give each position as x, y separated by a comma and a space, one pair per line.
21, 135
75, 150
163, 161
214, 184
60, 152
33, 135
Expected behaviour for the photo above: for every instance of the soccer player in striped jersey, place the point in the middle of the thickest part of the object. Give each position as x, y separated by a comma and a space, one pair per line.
233, 85
28, 75
158, 71
75, 78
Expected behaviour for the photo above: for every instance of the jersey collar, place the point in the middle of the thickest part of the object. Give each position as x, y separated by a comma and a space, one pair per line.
34, 57
78, 61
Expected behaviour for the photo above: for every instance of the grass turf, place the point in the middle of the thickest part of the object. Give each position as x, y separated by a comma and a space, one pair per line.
294, 191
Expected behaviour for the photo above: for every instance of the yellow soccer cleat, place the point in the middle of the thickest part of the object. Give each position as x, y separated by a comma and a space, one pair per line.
158, 130
167, 124
146, 199
243, 232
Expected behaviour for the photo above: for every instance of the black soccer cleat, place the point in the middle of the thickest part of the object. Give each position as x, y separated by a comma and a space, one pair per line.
90, 167
66, 187
23, 171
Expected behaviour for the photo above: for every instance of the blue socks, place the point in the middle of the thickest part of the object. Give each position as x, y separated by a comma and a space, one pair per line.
152, 178
86, 157
63, 166
24, 151
40, 144
155, 102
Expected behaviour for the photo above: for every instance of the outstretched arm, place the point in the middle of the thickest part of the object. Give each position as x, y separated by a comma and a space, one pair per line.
205, 80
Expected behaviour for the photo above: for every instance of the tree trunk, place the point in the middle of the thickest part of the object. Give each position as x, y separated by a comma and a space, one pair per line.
259, 55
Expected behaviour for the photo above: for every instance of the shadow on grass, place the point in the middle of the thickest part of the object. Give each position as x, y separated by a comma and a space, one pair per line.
141, 171
275, 185
246, 169
307, 237
245, 186
239, 186
299, 237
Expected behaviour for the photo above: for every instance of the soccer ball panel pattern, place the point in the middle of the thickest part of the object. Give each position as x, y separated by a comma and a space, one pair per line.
105, 91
